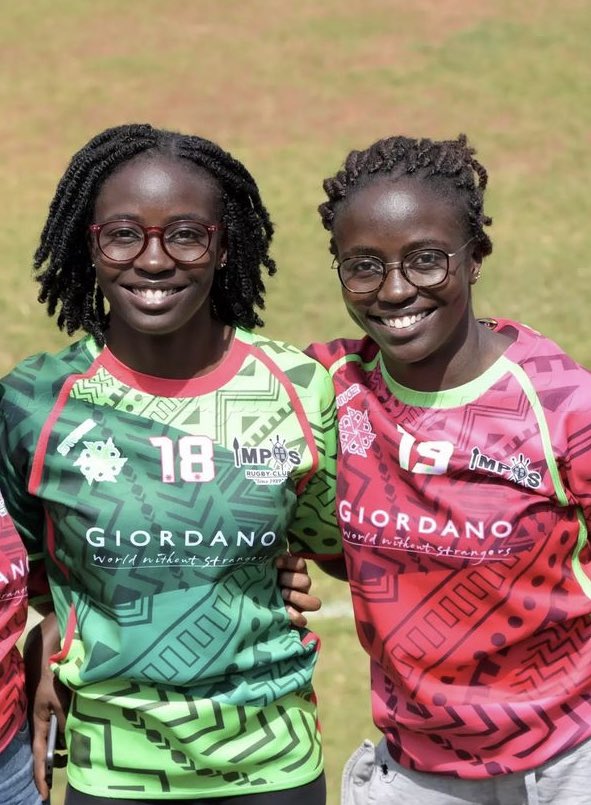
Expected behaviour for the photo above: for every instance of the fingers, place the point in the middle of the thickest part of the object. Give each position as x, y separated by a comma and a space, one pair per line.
49, 696
295, 583
301, 601
294, 563
300, 582
296, 617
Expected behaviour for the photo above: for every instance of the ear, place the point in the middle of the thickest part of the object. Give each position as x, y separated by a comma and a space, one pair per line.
222, 260
475, 265
92, 247
475, 268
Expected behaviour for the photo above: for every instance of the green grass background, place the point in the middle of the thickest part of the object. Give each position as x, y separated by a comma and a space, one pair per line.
290, 88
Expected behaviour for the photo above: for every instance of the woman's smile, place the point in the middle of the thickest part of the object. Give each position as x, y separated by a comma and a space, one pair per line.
402, 322
154, 294
418, 329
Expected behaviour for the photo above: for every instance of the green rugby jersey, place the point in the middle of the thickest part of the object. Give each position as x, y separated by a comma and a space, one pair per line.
158, 507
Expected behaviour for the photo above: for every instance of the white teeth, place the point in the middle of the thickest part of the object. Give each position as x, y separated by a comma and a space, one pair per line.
153, 295
404, 321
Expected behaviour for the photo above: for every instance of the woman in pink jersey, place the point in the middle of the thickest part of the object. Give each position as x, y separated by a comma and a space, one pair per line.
463, 498
16, 760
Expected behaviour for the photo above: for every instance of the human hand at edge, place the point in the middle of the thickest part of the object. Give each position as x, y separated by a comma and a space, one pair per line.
45, 693
295, 583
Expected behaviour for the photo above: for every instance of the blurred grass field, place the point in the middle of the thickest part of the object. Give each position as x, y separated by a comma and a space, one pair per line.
290, 88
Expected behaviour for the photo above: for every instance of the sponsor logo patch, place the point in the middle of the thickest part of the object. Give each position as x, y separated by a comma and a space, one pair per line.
517, 470
355, 433
100, 461
272, 464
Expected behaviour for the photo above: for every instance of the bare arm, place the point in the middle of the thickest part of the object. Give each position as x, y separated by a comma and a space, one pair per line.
46, 694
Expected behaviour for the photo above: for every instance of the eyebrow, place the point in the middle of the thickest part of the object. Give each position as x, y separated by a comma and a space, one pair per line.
372, 251
137, 219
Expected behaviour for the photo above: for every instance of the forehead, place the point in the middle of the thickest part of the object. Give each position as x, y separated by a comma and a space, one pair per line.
156, 180
402, 208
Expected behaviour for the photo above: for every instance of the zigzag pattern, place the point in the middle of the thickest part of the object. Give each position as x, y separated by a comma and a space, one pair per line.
204, 743
468, 573
172, 581
13, 616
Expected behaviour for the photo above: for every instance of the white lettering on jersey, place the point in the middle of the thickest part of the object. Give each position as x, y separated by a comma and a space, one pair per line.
400, 521
348, 394
437, 453
194, 455
74, 437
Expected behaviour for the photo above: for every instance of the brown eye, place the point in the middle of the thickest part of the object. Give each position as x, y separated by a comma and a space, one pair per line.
364, 266
121, 234
426, 260
187, 235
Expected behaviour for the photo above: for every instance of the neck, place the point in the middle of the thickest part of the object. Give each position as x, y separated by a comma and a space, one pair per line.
472, 350
173, 356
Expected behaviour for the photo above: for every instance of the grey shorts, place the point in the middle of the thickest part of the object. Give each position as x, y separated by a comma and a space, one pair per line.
16, 771
371, 777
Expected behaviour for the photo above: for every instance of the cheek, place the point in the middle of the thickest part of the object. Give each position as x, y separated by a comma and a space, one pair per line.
456, 292
105, 276
356, 308
462, 291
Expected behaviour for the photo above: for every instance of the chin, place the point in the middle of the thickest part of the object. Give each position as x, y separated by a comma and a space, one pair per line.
405, 356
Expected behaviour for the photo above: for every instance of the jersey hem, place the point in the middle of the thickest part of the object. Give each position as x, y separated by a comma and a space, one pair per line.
217, 793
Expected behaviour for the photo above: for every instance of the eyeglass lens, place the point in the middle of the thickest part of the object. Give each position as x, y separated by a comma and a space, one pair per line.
185, 241
422, 269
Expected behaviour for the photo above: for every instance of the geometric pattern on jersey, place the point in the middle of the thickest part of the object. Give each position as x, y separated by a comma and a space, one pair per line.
163, 505
13, 617
465, 529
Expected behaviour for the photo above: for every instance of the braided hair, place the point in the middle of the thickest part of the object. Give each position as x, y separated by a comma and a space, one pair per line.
63, 264
448, 166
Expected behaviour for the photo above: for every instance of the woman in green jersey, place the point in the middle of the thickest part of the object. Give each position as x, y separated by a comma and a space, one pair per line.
157, 468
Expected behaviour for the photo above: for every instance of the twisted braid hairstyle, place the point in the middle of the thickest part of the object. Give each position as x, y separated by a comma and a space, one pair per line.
448, 166
63, 263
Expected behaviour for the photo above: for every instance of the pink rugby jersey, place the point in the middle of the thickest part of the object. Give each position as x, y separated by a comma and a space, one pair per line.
465, 517
13, 617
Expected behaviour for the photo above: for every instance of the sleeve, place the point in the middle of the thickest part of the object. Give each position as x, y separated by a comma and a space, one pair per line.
25, 510
576, 470
314, 532
575, 479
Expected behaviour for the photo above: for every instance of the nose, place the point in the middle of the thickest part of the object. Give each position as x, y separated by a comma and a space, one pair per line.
396, 287
154, 260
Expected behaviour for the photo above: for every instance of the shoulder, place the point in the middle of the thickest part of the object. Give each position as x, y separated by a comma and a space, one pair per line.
282, 357
334, 354
39, 377
557, 378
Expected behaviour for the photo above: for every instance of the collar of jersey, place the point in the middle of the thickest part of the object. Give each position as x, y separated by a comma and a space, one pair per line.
167, 387
447, 398
524, 343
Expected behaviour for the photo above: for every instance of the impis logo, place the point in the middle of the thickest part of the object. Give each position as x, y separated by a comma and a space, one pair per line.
277, 455
517, 471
